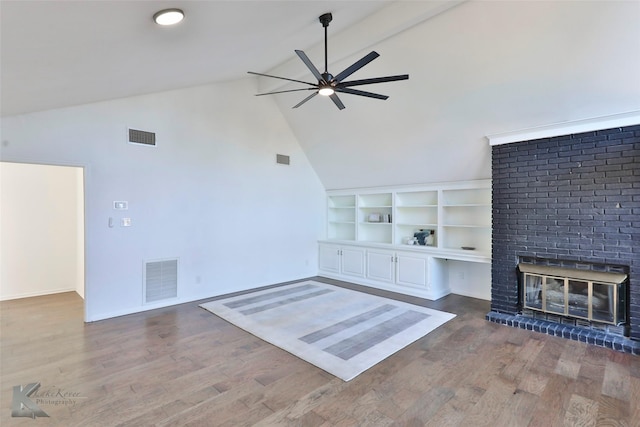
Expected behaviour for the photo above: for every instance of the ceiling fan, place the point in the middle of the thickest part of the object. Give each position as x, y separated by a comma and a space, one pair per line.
329, 84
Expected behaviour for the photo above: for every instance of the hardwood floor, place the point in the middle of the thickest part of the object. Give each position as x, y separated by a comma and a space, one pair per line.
182, 365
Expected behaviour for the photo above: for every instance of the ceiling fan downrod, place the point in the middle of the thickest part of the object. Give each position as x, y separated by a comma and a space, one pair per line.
324, 20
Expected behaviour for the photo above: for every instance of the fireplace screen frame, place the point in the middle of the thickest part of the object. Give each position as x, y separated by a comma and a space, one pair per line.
547, 289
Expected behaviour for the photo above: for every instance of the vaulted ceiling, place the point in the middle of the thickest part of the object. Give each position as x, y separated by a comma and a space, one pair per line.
62, 53
476, 68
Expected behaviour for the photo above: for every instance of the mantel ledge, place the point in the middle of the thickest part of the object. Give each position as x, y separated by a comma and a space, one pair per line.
566, 128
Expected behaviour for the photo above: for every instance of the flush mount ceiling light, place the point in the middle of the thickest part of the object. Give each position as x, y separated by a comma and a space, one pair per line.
168, 16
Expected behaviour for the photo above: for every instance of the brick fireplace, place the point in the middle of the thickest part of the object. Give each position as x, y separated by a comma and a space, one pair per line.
568, 202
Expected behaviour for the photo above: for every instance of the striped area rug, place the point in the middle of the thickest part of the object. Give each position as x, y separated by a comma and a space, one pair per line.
341, 331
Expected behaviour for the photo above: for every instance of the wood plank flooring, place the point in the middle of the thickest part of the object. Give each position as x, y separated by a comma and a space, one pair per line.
183, 366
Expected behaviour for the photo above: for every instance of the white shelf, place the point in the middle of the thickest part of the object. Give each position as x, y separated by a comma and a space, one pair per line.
466, 226
458, 212
467, 205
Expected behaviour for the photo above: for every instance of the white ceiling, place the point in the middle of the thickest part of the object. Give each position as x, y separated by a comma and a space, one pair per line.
476, 68
63, 53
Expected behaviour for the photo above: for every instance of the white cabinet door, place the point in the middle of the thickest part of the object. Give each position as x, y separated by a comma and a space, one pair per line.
412, 270
381, 266
352, 261
329, 258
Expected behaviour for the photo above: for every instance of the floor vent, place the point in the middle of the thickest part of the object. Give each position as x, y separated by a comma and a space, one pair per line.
142, 137
160, 280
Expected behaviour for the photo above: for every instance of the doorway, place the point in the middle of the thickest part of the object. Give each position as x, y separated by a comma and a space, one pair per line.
42, 230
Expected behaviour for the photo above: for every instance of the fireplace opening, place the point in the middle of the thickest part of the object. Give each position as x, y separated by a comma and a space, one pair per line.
596, 299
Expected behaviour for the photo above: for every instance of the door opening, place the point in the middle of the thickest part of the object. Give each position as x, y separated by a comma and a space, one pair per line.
43, 223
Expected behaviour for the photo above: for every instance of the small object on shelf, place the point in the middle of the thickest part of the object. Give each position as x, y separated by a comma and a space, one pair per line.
430, 240
411, 241
422, 235
468, 248
374, 217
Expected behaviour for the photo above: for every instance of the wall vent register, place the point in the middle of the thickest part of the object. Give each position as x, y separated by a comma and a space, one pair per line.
160, 280
282, 159
142, 137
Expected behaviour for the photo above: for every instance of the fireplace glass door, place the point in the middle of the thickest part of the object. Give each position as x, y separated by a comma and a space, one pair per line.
554, 295
533, 291
579, 299
575, 298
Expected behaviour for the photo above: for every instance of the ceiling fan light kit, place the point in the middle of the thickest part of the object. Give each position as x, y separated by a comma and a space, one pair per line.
329, 85
326, 91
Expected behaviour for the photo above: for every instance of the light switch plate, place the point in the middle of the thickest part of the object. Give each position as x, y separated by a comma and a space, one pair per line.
125, 222
121, 205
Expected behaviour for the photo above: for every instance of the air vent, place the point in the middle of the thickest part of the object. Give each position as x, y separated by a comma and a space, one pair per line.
160, 280
282, 159
142, 137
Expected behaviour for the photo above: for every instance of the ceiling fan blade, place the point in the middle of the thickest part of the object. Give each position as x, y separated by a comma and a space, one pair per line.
374, 80
356, 66
310, 66
305, 100
360, 92
281, 78
337, 101
284, 91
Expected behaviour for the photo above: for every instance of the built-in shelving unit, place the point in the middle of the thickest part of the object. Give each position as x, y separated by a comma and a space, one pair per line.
459, 213
368, 234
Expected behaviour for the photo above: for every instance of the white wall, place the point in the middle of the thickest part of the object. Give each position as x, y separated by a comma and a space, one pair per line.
472, 279
210, 193
80, 232
480, 68
42, 241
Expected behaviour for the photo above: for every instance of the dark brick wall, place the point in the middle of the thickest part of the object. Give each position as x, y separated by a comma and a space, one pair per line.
574, 198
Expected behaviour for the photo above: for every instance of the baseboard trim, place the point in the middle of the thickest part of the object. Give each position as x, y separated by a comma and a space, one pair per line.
36, 294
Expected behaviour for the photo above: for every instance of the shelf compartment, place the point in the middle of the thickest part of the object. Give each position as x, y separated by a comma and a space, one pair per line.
342, 215
417, 199
405, 231
471, 215
458, 237
341, 231
375, 232
347, 201
417, 215
365, 214
382, 200
467, 197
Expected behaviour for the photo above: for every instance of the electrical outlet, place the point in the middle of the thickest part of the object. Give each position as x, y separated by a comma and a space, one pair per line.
125, 222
